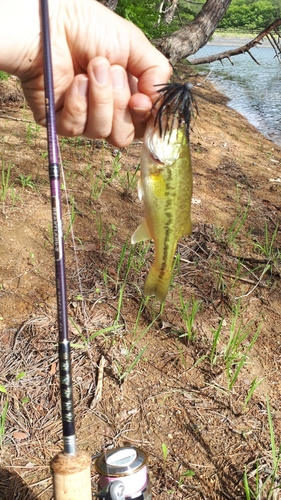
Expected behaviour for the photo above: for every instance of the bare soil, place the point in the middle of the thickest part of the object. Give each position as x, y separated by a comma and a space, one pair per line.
180, 401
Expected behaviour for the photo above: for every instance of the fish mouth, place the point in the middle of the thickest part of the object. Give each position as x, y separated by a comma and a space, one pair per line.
174, 108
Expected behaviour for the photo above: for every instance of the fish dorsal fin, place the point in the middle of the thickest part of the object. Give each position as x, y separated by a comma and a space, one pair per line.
142, 233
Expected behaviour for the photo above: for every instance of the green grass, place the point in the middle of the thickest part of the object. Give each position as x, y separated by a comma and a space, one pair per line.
32, 134
188, 310
106, 233
240, 343
6, 185
101, 179
86, 336
3, 417
237, 225
269, 250
26, 181
132, 352
254, 385
165, 451
4, 76
216, 332
264, 483
128, 180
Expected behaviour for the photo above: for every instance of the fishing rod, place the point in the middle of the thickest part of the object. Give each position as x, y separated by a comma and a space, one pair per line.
123, 471
71, 469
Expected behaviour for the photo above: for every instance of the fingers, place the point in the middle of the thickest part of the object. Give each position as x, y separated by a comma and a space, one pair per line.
100, 105
140, 106
123, 129
109, 94
72, 119
100, 98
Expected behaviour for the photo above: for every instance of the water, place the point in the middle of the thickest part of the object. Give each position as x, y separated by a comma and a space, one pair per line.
254, 91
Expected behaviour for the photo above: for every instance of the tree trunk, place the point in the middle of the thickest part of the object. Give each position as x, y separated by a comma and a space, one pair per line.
111, 4
191, 38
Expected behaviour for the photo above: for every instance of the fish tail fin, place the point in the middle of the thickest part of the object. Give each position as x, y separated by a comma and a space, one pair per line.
157, 283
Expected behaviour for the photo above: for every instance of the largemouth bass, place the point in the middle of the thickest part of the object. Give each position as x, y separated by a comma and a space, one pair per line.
165, 183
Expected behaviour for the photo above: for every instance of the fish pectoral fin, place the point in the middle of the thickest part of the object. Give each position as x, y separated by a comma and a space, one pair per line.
140, 189
142, 233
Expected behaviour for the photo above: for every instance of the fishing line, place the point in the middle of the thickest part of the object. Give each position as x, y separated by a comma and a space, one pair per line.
79, 279
76, 259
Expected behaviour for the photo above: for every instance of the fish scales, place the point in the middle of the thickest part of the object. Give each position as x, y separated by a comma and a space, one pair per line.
165, 186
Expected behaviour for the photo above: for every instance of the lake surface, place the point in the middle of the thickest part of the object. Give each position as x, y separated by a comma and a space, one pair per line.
254, 91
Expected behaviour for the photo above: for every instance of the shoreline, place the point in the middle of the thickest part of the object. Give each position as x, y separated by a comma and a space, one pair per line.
221, 44
235, 41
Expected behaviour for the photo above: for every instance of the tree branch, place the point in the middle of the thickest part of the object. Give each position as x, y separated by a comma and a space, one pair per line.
245, 48
170, 12
191, 38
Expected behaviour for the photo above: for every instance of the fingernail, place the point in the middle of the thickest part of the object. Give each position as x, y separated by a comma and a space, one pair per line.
118, 78
101, 72
141, 111
83, 87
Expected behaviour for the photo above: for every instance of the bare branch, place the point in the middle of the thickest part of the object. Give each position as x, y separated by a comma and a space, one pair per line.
275, 44
169, 15
254, 59
245, 48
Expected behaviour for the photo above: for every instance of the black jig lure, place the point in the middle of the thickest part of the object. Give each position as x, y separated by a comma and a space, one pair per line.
176, 101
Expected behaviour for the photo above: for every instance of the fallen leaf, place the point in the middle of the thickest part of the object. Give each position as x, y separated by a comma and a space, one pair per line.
89, 247
20, 435
53, 368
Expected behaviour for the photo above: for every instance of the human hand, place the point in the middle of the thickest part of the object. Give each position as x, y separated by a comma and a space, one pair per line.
104, 67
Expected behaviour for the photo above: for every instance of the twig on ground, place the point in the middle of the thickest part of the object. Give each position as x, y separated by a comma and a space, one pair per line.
8, 117
98, 393
24, 325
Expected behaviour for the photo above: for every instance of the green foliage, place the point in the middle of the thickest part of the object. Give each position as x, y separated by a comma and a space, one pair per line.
143, 14
4, 76
252, 15
277, 8
147, 16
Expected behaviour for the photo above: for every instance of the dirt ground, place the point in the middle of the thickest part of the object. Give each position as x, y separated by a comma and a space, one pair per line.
197, 384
